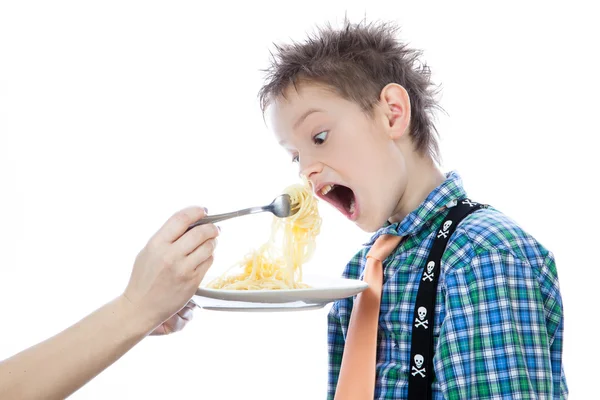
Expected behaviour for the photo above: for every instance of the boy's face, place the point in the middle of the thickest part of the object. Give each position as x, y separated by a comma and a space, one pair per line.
354, 161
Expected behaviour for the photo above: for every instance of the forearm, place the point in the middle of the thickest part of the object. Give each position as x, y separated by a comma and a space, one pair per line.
59, 366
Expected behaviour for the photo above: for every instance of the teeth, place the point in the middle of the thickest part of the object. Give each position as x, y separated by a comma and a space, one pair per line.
326, 189
352, 207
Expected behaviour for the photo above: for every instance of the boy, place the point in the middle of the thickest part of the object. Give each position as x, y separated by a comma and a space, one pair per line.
353, 109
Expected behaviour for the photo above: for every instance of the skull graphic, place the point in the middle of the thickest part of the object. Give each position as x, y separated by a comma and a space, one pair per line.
422, 311
419, 360
447, 225
430, 266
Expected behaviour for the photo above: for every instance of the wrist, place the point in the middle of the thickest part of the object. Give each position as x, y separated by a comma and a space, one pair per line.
142, 322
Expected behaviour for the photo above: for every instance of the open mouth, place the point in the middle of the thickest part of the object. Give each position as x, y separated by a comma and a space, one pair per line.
341, 197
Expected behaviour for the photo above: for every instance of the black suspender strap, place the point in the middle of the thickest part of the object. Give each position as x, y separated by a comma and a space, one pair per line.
421, 373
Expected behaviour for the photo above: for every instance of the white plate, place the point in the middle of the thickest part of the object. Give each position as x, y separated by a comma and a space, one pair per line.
323, 290
240, 306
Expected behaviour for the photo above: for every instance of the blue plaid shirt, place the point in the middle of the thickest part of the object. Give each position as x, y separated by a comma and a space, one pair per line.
498, 328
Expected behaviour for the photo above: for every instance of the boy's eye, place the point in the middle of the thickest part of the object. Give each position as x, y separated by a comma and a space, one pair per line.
320, 138
295, 158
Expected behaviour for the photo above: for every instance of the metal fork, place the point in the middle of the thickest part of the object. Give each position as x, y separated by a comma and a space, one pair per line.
281, 207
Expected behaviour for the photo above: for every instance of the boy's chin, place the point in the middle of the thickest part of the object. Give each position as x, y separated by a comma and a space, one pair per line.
369, 225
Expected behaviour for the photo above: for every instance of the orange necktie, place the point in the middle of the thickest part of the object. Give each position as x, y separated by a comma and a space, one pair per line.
357, 373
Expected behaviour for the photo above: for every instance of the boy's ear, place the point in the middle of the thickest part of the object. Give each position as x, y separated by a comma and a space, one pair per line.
396, 106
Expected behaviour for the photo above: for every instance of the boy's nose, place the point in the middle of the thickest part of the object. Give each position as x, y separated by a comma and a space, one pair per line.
311, 169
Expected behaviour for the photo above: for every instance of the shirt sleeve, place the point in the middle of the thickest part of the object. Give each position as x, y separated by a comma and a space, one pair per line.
496, 340
335, 344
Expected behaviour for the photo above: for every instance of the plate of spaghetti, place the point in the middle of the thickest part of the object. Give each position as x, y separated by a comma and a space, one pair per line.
272, 273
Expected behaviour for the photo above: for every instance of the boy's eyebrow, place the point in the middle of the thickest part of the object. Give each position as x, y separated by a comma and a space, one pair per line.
305, 115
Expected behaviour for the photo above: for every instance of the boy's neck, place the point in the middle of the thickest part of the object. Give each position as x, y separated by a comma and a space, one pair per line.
423, 177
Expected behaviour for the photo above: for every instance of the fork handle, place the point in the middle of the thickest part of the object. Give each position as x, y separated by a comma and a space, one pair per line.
222, 217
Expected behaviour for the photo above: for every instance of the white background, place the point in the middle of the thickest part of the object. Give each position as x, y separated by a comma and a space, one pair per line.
115, 114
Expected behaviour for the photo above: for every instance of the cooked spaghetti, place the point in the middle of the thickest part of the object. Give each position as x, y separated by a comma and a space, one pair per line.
277, 264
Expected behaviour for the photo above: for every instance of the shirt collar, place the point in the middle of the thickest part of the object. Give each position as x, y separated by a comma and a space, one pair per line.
439, 199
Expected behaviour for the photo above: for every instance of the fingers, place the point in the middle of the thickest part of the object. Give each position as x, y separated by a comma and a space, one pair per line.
198, 257
178, 223
173, 324
201, 268
160, 330
198, 236
177, 321
187, 312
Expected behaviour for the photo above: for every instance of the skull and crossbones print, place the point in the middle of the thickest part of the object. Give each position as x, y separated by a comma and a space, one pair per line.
417, 367
444, 231
421, 321
470, 203
429, 274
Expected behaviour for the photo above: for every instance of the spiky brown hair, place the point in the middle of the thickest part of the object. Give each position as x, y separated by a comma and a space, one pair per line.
358, 61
